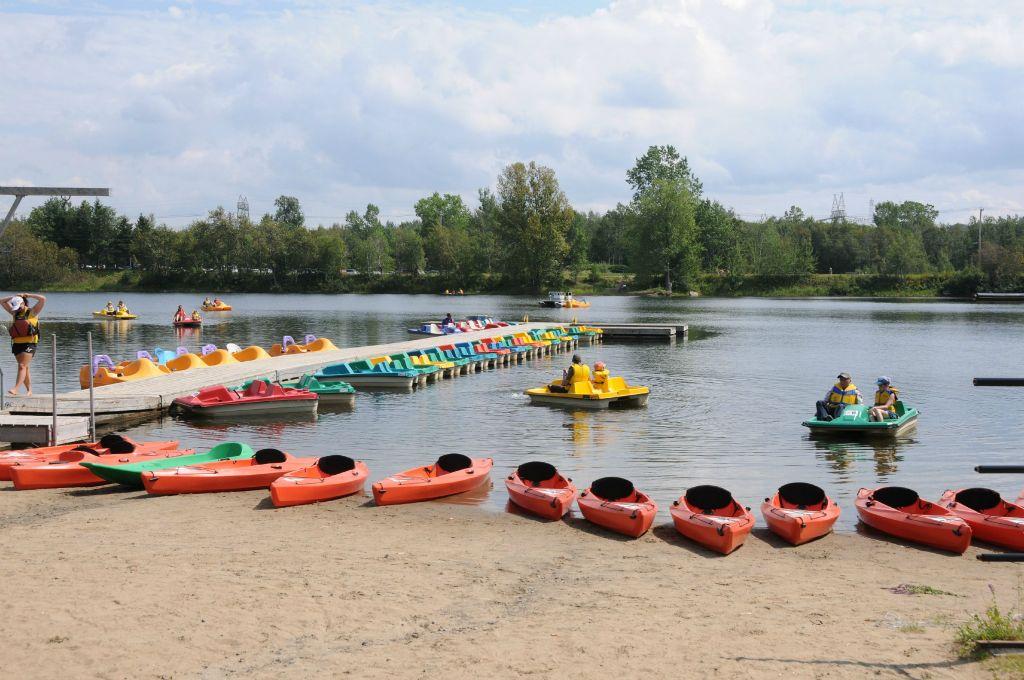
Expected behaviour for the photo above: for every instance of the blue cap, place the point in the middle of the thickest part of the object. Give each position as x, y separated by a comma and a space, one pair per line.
883, 381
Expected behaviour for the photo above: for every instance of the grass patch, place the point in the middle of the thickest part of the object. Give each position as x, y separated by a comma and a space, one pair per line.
912, 628
1006, 667
916, 589
992, 625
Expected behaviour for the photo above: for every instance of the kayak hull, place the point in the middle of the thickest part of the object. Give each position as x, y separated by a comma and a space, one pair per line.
130, 474
798, 526
629, 518
924, 522
417, 485
222, 476
721, 533
1003, 527
549, 502
46, 454
70, 473
310, 485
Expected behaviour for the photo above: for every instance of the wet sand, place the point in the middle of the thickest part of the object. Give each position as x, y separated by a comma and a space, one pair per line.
114, 584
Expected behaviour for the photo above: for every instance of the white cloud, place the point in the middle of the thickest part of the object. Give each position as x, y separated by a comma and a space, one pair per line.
775, 103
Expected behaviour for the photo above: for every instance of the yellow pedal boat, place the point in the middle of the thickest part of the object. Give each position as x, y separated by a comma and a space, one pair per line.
115, 316
216, 308
613, 393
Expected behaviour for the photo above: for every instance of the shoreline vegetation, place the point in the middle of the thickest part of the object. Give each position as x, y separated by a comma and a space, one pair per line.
523, 237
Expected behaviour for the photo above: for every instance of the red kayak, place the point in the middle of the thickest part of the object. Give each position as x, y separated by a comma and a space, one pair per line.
328, 478
452, 473
710, 516
800, 512
261, 397
990, 517
233, 474
67, 470
900, 512
613, 503
111, 443
538, 488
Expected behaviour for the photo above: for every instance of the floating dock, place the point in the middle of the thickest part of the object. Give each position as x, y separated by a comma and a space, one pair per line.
640, 331
999, 297
29, 419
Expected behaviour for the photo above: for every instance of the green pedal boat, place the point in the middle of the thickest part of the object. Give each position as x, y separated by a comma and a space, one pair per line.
130, 474
855, 419
334, 393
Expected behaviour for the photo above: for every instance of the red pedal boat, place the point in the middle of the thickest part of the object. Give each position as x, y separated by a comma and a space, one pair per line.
900, 512
261, 397
234, 474
710, 516
328, 478
68, 471
111, 443
990, 517
452, 473
613, 503
800, 512
537, 488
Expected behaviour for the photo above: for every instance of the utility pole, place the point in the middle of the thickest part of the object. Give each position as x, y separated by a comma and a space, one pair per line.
980, 211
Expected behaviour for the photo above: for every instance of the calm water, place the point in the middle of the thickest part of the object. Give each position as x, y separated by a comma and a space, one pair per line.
726, 405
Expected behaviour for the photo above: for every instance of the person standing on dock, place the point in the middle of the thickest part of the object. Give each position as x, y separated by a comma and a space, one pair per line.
836, 399
24, 331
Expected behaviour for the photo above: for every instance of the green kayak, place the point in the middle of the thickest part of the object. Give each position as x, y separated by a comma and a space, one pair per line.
130, 474
855, 419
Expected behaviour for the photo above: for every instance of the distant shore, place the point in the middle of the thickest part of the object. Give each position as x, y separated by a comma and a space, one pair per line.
114, 583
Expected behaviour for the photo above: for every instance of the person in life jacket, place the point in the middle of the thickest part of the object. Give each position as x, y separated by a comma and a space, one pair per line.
195, 315
842, 394
600, 375
577, 371
24, 332
109, 309
207, 301
180, 315
885, 400
122, 308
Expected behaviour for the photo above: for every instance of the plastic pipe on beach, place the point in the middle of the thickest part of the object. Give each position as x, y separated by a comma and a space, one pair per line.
1001, 557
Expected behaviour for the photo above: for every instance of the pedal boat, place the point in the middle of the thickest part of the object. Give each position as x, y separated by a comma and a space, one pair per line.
585, 394
855, 419
261, 397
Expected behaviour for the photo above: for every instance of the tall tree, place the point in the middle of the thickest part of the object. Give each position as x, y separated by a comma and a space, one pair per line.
664, 235
288, 211
662, 163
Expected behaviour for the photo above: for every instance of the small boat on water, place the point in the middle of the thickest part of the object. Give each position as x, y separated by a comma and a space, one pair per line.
470, 323
452, 473
363, 375
539, 489
130, 474
990, 516
260, 397
900, 512
336, 393
800, 512
615, 504
558, 299
188, 323
614, 392
111, 443
856, 420
709, 515
216, 306
328, 478
233, 474
998, 297
115, 316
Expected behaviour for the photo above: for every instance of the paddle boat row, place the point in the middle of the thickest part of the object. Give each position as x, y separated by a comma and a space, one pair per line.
856, 419
162, 362
467, 325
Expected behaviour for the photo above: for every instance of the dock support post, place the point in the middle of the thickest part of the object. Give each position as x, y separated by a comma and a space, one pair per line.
53, 384
92, 402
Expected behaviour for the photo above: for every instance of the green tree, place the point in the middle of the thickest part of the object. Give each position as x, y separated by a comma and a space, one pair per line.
579, 243
662, 163
664, 238
533, 222
288, 211
409, 256
718, 237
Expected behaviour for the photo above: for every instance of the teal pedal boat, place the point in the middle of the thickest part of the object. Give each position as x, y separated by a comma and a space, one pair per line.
855, 420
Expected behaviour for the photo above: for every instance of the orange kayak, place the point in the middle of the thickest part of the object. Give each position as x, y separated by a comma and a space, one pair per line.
328, 478
67, 471
111, 443
452, 473
990, 517
800, 512
613, 503
538, 488
233, 474
710, 516
900, 512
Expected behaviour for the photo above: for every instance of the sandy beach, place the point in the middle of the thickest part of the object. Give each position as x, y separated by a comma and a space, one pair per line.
109, 583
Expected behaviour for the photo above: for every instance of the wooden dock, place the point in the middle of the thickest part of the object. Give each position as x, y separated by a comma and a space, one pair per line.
140, 399
640, 331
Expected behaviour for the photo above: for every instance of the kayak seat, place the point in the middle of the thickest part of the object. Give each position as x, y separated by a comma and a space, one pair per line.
335, 464
895, 496
86, 449
536, 472
612, 488
259, 388
979, 499
452, 462
708, 498
901, 410
115, 443
267, 456
802, 495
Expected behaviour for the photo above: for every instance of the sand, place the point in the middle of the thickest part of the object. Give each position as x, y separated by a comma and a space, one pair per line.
113, 584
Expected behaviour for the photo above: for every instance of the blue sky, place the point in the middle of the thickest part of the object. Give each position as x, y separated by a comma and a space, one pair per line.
183, 106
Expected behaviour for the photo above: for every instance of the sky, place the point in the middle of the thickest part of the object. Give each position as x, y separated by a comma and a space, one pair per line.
180, 107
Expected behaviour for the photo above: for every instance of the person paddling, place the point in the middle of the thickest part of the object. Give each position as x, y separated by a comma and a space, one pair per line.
842, 394
24, 331
577, 372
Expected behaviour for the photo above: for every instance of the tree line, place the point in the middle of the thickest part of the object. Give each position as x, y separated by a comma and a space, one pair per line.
522, 235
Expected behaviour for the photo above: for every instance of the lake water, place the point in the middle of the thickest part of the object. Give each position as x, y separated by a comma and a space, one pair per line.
725, 408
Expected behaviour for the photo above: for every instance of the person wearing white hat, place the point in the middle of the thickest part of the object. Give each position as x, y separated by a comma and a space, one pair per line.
24, 332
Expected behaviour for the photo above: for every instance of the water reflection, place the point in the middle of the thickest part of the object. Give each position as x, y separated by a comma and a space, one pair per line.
841, 456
